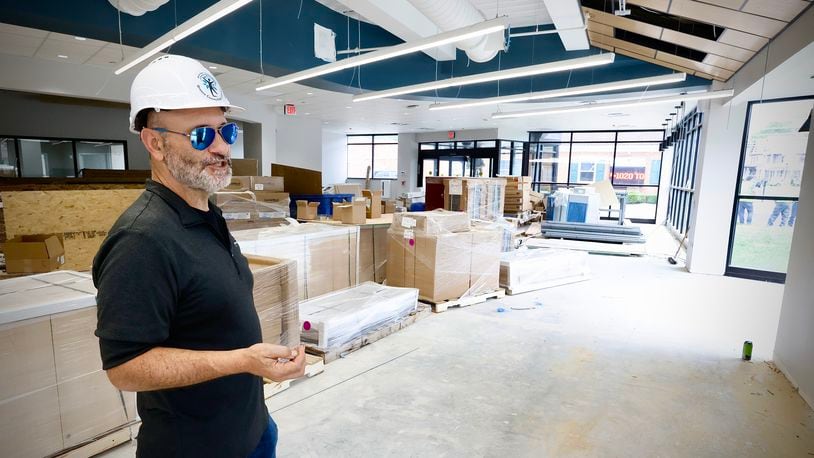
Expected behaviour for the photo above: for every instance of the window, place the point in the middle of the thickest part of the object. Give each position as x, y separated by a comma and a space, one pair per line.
378, 152
630, 160
55, 157
769, 179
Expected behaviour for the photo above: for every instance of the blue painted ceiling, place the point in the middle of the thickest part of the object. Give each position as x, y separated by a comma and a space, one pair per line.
287, 45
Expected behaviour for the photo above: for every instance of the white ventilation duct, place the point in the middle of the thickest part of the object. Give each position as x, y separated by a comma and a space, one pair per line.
137, 7
455, 14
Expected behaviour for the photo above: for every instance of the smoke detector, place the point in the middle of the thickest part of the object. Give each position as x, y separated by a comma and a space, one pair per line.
622, 11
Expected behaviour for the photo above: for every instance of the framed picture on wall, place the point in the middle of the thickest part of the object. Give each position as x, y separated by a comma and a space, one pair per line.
769, 177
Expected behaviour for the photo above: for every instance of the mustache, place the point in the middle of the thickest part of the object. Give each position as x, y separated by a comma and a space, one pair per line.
213, 161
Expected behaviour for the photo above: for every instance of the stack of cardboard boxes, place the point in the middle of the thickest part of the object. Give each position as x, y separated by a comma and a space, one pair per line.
518, 195
327, 256
249, 200
441, 254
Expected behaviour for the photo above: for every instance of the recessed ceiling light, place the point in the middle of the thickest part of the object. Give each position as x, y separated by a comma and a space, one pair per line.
347, 107
309, 93
80, 38
62, 56
279, 100
212, 67
306, 114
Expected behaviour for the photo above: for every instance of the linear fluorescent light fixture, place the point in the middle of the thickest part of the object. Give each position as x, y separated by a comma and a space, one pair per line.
531, 70
194, 24
616, 104
566, 92
434, 41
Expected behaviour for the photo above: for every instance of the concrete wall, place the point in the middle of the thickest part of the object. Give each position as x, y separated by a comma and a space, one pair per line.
794, 348
722, 134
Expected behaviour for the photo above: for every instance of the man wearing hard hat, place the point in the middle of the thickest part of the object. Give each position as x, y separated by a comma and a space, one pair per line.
177, 322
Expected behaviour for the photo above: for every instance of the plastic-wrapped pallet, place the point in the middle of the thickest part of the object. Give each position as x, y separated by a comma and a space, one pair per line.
480, 198
334, 319
276, 299
327, 255
443, 255
531, 269
248, 209
53, 392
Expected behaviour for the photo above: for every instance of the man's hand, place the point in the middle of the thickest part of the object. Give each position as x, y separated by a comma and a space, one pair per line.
276, 362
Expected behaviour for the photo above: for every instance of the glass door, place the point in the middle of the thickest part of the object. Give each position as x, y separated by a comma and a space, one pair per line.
769, 178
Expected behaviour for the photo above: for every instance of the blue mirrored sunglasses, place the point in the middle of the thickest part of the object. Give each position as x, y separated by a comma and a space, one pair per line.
202, 137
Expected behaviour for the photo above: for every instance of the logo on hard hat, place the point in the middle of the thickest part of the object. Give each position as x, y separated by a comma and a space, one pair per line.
208, 86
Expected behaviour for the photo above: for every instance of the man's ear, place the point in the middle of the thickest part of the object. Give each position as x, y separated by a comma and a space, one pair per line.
154, 143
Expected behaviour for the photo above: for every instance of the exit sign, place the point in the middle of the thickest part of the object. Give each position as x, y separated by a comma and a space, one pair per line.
451, 134
289, 109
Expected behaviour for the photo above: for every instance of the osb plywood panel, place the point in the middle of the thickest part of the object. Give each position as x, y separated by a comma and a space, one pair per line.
42, 212
784, 10
742, 39
726, 17
707, 46
658, 5
83, 217
624, 23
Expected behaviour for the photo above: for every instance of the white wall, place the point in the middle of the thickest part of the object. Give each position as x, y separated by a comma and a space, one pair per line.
470, 134
334, 157
299, 142
722, 134
794, 348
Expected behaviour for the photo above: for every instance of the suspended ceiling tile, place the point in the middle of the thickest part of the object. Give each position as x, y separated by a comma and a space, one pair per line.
695, 65
72, 39
25, 31
710, 77
111, 55
620, 44
725, 17
723, 62
742, 40
731, 4
597, 27
19, 45
658, 5
624, 23
784, 10
76, 53
669, 65
708, 46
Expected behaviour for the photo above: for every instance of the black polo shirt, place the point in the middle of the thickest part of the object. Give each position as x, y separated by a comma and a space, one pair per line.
165, 278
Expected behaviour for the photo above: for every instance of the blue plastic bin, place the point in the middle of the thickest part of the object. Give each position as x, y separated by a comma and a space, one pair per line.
417, 207
325, 208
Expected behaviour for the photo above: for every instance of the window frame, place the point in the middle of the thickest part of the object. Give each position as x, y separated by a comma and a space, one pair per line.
18, 147
372, 146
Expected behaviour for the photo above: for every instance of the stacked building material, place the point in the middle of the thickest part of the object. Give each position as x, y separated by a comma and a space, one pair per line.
531, 269
443, 255
518, 195
327, 255
334, 319
480, 198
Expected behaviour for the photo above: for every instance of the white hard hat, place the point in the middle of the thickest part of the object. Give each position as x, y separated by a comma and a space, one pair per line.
172, 83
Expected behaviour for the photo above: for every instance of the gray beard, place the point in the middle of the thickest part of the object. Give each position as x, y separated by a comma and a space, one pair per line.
193, 174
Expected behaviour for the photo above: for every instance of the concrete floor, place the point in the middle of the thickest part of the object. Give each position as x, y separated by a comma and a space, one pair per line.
642, 360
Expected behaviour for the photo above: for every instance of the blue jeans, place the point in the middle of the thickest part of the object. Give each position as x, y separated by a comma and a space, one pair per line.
267, 447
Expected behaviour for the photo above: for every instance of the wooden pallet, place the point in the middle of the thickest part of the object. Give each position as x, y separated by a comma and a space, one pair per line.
372, 336
314, 365
99, 444
442, 306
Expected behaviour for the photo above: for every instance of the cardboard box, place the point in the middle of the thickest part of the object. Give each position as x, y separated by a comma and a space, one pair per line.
433, 222
307, 210
34, 253
484, 273
239, 183
348, 188
373, 202
438, 264
30, 425
350, 212
236, 205
276, 299
245, 167
373, 253
388, 206
268, 184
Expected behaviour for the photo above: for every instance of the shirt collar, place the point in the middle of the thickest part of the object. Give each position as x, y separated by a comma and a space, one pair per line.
187, 214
